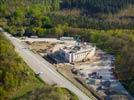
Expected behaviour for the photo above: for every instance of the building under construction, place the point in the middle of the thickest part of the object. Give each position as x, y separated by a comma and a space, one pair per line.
79, 52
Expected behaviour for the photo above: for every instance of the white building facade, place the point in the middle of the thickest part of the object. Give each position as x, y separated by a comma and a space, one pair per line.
77, 53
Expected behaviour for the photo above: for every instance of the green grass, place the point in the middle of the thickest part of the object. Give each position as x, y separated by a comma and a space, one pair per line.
37, 83
48, 93
29, 86
67, 93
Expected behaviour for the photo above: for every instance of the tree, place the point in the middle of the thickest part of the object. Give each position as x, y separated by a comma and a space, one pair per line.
41, 32
35, 10
58, 30
3, 10
61, 29
46, 22
20, 31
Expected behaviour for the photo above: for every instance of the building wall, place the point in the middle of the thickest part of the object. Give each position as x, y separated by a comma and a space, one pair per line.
66, 56
92, 53
84, 55
79, 56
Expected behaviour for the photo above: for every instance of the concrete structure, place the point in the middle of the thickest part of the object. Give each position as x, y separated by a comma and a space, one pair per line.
34, 36
66, 38
79, 52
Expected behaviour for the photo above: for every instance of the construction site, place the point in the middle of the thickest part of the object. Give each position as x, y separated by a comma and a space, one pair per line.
86, 66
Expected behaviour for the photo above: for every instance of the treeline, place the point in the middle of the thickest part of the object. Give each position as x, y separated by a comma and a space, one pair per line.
7, 7
43, 14
86, 6
89, 22
97, 6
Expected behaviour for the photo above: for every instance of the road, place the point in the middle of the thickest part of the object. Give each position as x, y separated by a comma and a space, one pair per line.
37, 64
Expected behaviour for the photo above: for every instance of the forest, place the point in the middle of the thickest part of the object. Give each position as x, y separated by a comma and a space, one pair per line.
108, 23
97, 6
57, 10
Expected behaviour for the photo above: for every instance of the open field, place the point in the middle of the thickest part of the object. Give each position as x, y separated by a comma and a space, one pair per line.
41, 46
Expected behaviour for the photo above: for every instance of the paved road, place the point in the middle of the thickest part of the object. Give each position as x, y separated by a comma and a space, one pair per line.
38, 64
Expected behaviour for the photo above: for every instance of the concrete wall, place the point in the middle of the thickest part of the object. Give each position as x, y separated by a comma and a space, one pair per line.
75, 57
84, 55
